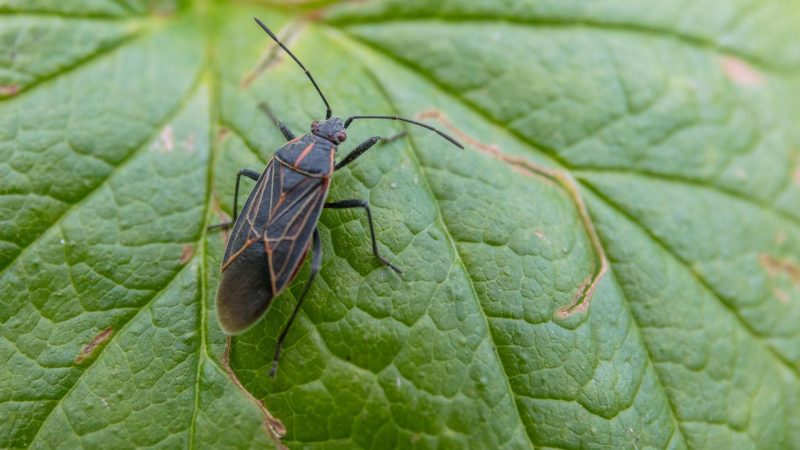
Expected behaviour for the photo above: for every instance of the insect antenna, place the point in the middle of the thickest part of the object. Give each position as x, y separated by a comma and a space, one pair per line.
423, 125
328, 112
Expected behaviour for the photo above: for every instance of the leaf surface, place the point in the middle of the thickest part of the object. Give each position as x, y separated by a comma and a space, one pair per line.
659, 138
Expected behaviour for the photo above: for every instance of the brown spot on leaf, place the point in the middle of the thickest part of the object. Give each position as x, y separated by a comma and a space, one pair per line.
164, 11
223, 134
277, 426
435, 114
554, 177
273, 56
273, 425
315, 15
740, 174
96, 341
188, 252
540, 234
9, 89
781, 295
580, 301
742, 73
775, 266
166, 140
189, 143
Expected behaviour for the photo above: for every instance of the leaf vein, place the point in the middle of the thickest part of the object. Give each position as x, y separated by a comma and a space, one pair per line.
687, 39
58, 402
103, 182
87, 59
779, 358
458, 257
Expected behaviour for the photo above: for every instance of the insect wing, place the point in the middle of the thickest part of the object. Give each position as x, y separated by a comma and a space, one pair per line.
245, 227
291, 223
245, 289
268, 243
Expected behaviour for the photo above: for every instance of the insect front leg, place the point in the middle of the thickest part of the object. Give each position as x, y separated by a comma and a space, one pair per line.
316, 262
252, 174
287, 133
364, 146
358, 203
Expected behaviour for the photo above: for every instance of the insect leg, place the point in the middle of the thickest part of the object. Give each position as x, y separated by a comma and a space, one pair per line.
316, 262
358, 203
366, 145
287, 133
252, 174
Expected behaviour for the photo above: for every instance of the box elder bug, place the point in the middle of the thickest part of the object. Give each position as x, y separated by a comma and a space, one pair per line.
278, 223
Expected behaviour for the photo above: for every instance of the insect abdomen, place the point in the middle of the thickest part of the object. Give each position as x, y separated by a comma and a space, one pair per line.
245, 290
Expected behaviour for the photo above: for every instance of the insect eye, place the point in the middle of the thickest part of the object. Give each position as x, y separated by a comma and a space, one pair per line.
315, 124
341, 136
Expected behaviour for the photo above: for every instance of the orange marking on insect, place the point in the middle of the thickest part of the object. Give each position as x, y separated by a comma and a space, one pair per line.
281, 199
303, 154
270, 264
233, 257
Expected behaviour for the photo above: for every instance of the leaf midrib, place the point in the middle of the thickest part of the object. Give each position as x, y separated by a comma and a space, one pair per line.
459, 259
414, 157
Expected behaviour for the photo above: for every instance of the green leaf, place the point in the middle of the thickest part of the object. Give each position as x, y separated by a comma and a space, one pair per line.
612, 262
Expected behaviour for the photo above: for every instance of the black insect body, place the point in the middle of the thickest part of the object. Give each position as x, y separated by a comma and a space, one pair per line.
278, 223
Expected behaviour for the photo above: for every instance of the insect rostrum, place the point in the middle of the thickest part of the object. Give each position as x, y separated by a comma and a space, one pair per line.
278, 222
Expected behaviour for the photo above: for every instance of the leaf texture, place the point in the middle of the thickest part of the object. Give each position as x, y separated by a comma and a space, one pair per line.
612, 262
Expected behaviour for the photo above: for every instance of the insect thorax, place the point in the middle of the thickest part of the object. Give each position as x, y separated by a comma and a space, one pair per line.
309, 153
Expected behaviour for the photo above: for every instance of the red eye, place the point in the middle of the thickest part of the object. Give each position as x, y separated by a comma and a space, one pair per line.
341, 136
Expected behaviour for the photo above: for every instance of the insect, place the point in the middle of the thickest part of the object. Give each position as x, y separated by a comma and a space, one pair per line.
278, 223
